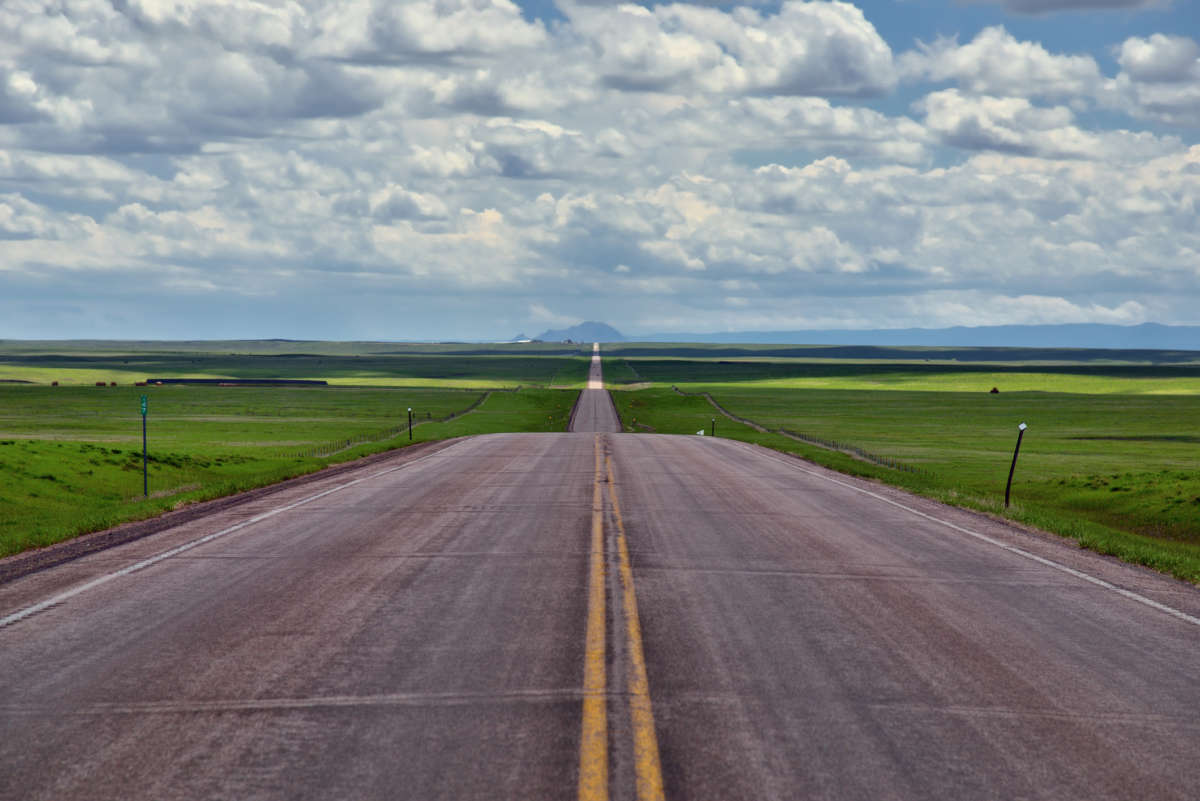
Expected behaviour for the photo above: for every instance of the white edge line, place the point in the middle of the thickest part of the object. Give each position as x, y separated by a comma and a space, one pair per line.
21, 614
1099, 582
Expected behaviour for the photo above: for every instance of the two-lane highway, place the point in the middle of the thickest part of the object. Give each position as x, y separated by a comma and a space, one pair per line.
594, 411
597, 615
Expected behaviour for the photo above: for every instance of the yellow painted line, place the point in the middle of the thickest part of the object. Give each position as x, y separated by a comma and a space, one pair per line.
647, 766
593, 740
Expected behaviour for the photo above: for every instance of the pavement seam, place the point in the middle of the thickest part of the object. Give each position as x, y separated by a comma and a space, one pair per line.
217, 706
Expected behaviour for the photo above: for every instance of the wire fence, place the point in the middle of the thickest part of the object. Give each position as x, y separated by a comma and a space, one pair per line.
829, 444
853, 450
326, 449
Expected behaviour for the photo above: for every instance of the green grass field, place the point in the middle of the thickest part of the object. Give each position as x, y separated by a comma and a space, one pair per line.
1084, 378
344, 364
1111, 457
71, 455
876, 354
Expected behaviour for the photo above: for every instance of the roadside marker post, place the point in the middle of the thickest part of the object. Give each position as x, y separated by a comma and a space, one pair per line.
145, 475
410, 424
1008, 489
714, 427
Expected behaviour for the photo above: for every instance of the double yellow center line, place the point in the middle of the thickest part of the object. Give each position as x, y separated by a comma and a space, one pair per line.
593, 743
593, 748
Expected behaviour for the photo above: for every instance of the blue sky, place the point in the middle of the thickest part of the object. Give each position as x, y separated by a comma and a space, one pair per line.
470, 169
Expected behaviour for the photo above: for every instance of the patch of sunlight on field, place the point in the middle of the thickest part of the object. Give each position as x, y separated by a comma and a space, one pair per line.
983, 382
67, 376
83, 377
75, 376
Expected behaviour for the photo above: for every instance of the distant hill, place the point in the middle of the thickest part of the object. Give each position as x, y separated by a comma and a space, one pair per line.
1148, 336
584, 332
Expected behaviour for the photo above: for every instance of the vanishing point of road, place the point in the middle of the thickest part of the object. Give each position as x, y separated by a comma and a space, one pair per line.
596, 615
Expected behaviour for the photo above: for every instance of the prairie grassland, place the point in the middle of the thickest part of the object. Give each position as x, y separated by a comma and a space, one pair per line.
1111, 460
71, 457
875, 354
1087, 379
283, 347
73, 364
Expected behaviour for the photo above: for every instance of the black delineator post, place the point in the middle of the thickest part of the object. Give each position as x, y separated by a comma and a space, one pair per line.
714, 427
1008, 489
410, 424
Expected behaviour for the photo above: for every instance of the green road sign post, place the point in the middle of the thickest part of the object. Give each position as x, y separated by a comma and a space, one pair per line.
145, 476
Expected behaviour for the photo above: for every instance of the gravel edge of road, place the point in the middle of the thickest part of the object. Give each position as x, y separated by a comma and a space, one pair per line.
23, 564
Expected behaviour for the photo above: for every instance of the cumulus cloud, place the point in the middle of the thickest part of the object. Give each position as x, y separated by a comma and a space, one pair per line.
1015, 125
980, 308
1159, 79
20, 219
1160, 59
996, 63
1009, 124
807, 48
396, 202
391, 31
818, 124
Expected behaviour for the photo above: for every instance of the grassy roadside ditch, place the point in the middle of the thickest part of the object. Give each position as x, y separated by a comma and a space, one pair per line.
1116, 473
71, 457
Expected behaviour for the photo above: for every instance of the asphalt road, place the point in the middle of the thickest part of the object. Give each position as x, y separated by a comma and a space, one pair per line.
591, 614
594, 411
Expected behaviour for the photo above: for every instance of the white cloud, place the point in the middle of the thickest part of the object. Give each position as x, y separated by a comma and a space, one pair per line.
396, 31
1159, 79
996, 63
943, 309
1015, 125
461, 163
807, 48
1009, 124
395, 202
1160, 59
816, 123
20, 219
